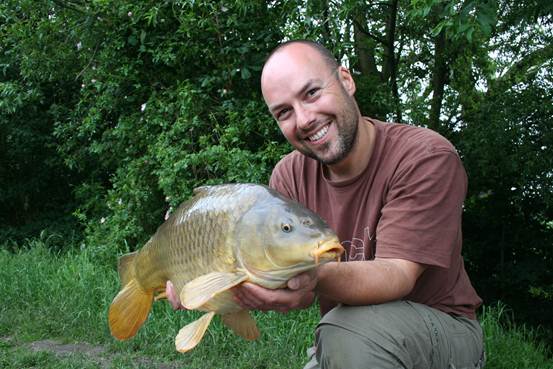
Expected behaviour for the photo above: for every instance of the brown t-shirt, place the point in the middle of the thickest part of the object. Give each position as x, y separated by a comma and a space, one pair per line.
406, 204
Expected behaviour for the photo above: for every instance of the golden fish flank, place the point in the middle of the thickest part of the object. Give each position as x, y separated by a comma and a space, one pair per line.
223, 236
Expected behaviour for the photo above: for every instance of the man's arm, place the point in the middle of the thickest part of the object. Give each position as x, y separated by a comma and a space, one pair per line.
351, 283
368, 282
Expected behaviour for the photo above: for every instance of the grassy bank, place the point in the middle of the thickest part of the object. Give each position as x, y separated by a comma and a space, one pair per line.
66, 297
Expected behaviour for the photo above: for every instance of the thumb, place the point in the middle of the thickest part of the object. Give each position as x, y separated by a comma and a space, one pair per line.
306, 280
294, 283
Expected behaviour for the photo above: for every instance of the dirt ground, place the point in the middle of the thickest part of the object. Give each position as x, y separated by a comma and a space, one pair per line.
95, 353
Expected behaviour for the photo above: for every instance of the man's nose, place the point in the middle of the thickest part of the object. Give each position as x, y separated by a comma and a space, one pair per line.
305, 117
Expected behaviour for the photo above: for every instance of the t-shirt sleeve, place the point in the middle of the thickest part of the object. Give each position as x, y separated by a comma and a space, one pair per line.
282, 181
421, 216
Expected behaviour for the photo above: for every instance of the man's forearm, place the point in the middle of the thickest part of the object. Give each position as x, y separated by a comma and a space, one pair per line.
367, 282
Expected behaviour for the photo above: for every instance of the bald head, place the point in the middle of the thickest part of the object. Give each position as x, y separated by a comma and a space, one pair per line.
323, 52
292, 67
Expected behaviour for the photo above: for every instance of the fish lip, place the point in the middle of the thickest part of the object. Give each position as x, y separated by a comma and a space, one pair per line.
330, 249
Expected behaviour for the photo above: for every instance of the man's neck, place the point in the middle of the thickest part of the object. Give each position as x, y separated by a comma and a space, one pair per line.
359, 156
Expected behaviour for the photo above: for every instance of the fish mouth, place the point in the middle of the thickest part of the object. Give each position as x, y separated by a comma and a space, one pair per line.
327, 251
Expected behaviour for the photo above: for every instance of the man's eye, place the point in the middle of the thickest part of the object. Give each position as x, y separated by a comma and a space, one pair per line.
282, 113
313, 92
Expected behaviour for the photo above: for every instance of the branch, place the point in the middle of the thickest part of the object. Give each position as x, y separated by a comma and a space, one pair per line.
517, 72
70, 5
438, 81
89, 62
379, 3
365, 32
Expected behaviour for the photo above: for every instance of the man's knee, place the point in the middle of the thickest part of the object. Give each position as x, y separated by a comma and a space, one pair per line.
342, 345
396, 335
377, 336
337, 347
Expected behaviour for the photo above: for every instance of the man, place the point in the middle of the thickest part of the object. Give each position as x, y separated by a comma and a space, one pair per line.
394, 194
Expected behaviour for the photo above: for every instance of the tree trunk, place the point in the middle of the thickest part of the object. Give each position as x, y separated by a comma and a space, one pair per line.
389, 70
364, 49
389, 50
327, 35
439, 77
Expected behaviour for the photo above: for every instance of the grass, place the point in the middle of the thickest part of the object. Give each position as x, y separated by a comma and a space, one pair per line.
511, 346
65, 297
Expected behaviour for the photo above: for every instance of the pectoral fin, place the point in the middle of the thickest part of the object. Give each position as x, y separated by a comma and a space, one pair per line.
242, 324
190, 335
200, 290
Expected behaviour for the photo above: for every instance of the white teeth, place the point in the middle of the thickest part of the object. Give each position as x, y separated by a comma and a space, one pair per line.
319, 135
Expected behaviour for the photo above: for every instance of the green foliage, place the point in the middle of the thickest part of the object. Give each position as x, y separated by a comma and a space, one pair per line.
144, 101
460, 19
511, 199
35, 183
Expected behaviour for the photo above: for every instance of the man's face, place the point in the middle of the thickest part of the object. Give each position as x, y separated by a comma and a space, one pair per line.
313, 104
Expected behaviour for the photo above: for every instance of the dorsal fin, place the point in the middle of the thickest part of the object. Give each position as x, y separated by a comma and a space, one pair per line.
200, 190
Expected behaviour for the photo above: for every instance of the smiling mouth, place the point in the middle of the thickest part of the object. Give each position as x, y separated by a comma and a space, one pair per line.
320, 134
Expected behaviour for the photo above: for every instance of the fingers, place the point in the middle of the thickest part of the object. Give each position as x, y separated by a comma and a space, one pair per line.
253, 297
247, 296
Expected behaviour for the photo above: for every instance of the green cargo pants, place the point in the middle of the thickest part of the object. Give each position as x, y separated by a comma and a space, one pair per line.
396, 335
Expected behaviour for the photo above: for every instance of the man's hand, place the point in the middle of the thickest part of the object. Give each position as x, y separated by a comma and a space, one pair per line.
172, 297
299, 294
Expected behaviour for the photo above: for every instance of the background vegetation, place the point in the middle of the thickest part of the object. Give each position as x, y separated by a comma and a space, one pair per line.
111, 112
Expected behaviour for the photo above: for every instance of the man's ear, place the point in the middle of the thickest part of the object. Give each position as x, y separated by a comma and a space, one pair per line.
345, 78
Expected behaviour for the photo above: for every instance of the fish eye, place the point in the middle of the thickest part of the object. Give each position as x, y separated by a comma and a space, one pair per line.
286, 227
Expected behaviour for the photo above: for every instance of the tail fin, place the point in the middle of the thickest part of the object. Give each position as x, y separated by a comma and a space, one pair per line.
129, 310
131, 306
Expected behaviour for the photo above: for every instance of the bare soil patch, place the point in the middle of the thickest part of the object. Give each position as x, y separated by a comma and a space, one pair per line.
95, 353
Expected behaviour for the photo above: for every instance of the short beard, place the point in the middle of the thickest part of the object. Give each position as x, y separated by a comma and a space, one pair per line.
347, 135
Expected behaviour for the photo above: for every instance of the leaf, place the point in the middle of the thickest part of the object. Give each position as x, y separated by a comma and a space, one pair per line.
245, 73
470, 31
436, 30
486, 18
132, 40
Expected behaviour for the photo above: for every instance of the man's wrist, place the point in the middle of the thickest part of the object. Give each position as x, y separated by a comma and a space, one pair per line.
323, 274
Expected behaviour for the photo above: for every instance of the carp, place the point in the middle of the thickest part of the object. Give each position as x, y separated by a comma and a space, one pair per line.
223, 236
